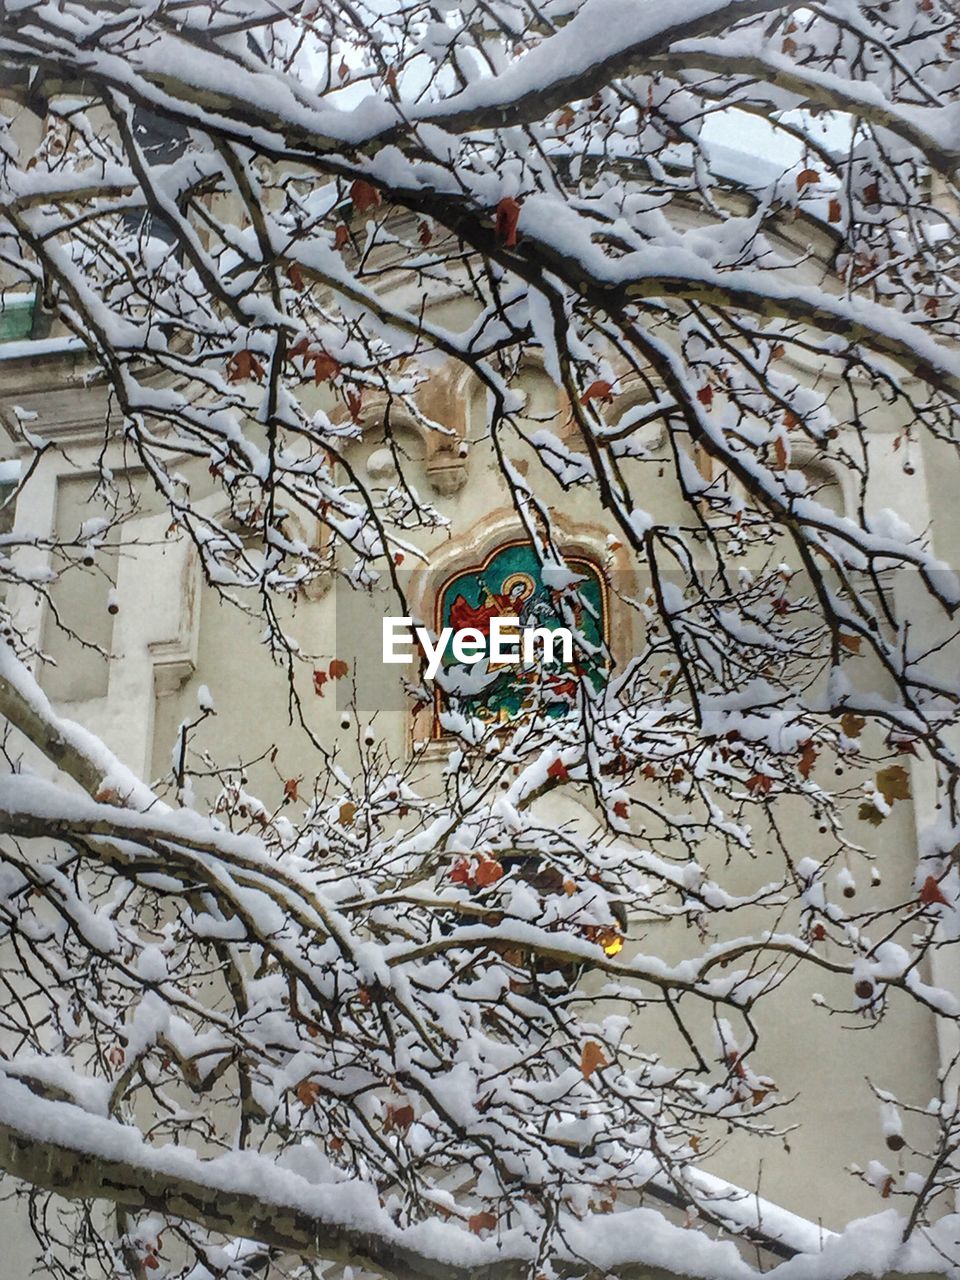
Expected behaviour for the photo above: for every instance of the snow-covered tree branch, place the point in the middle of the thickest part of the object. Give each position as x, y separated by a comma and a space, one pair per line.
388, 1005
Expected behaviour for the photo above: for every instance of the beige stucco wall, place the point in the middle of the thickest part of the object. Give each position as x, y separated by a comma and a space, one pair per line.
171, 635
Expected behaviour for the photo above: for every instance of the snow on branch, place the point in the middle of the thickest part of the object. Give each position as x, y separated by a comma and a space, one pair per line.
317, 275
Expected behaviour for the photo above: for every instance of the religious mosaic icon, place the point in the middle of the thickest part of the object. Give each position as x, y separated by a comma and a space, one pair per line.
509, 585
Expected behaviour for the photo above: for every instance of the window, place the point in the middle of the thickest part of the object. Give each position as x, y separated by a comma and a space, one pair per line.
9, 478
509, 583
823, 485
162, 142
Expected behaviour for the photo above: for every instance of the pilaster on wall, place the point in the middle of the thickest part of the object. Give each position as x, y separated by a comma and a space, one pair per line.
156, 633
48, 380
934, 513
33, 521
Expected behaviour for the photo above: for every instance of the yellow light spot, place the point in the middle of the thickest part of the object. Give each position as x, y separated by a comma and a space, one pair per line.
611, 942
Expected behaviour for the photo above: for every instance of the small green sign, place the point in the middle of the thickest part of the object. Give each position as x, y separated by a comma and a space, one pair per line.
16, 317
